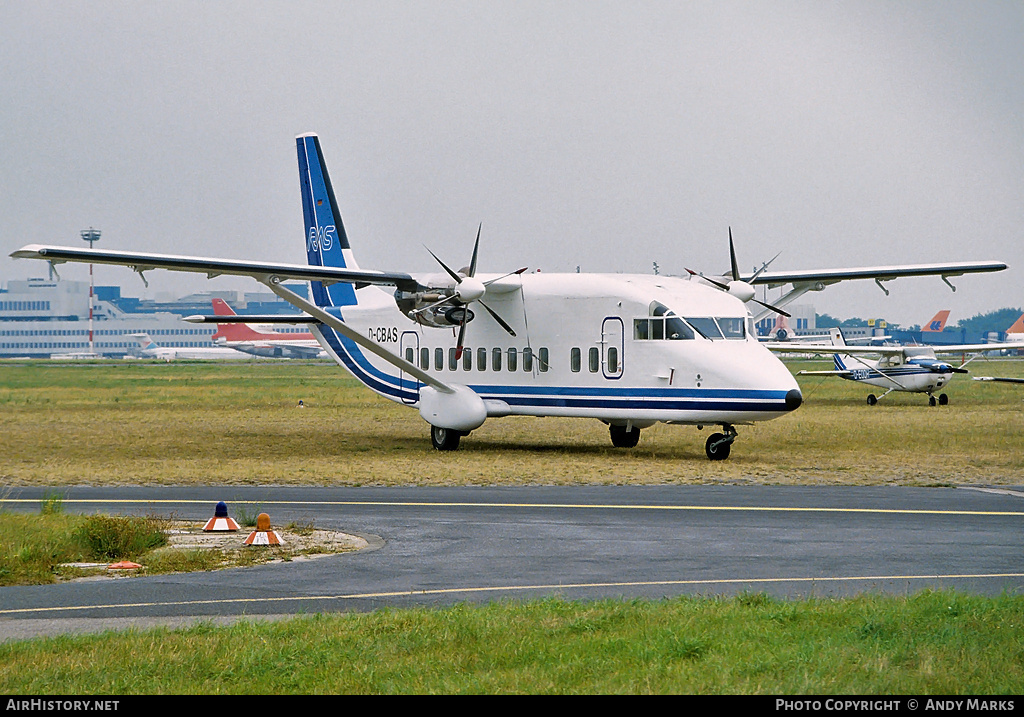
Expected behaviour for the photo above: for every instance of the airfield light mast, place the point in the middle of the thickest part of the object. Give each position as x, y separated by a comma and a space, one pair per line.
92, 236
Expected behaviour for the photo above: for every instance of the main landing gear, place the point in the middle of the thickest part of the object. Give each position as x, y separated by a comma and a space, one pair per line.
624, 436
445, 439
718, 445
942, 399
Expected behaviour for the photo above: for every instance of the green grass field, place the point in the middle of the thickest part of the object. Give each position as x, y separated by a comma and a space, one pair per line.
238, 423
134, 422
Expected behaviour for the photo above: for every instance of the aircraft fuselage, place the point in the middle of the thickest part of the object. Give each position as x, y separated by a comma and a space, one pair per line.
625, 349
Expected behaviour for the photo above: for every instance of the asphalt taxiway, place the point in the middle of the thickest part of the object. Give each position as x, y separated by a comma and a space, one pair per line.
437, 546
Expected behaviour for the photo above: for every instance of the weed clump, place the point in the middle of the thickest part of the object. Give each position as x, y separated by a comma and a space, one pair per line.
112, 537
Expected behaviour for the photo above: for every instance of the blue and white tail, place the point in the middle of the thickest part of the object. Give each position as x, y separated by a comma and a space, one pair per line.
326, 241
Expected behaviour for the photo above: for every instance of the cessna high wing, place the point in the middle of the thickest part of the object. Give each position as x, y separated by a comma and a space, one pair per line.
914, 369
462, 347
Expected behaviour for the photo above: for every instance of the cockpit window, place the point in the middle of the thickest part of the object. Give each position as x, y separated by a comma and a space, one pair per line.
705, 325
732, 327
664, 325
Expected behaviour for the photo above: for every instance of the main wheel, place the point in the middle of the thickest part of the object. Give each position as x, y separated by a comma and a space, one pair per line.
621, 438
943, 399
716, 448
444, 439
871, 399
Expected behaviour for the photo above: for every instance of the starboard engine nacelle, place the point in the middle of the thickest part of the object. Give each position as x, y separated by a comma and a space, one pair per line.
427, 308
460, 410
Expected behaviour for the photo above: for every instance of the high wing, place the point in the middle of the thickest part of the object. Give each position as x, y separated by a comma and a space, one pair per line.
787, 347
142, 261
817, 280
270, 275
976, 348
808, 348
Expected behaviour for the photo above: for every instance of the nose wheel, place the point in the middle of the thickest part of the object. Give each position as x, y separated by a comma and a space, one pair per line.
719, 445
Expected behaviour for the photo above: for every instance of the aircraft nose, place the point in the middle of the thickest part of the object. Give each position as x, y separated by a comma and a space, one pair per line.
793, 399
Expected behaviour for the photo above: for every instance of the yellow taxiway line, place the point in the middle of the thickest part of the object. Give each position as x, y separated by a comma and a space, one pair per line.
263, 600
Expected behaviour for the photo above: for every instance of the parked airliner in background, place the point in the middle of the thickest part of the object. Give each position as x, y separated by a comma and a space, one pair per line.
148, 348
627, 350
914, 369
234, 331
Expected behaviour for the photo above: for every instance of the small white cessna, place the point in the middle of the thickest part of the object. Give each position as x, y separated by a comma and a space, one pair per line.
914, 369
627, 350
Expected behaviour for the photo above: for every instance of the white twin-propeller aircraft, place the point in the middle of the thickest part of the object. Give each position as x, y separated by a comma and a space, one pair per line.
627, 350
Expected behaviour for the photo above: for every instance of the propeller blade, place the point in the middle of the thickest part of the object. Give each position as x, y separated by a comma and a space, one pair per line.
459, 348
763, 267
517, 271
776, 309
494, 315
732, 259
476, 247
452, 274
720, 285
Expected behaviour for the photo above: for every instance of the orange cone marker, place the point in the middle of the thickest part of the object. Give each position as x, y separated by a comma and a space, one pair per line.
124, 565
220, 520
263, 535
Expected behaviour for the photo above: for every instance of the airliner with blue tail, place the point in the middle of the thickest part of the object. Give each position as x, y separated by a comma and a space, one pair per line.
463, 346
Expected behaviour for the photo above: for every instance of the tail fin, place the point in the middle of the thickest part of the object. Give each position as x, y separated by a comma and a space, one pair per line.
839, 363
231, 332
938, 322
836, 334
1018, 326
326, 241
145, 341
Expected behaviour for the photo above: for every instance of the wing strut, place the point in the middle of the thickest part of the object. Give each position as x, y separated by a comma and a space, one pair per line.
274, 284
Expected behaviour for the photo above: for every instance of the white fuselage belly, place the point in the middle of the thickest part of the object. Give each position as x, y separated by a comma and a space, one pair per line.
557, 316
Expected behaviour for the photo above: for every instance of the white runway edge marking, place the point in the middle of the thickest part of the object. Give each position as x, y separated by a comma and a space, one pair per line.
563, 506
510, 588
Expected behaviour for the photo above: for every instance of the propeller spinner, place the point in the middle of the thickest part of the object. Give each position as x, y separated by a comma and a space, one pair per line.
742, 290
469, 289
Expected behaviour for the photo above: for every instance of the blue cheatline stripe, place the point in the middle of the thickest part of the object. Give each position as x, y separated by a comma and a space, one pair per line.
756, 400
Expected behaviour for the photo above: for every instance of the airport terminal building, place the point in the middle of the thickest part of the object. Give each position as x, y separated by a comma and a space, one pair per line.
47, 318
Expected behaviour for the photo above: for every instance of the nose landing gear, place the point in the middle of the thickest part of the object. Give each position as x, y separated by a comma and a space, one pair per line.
718, 445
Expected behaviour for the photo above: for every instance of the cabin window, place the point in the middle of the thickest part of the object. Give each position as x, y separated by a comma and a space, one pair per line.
438, 359
528, 359
467, 359
574, 360
594, 360
481, 359
496, 360
410, 355
613, 360
424, 358
453, 359
512, 356
542, 359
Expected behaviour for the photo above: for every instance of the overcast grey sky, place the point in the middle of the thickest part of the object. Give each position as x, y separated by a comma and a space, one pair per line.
602, 135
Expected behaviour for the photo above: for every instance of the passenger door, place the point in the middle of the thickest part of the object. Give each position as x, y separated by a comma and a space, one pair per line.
612, 335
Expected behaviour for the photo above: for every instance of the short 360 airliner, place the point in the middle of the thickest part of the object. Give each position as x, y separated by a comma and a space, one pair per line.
627, 350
